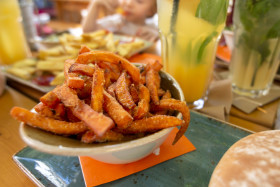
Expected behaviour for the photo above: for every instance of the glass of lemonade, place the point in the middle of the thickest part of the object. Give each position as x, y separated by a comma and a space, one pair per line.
189, 32
256, 52
13, 46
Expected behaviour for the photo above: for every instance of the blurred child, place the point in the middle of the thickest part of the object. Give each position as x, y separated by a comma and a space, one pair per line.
132, 21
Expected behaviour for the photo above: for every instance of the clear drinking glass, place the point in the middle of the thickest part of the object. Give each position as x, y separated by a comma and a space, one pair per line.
189, 32
256, 52
13, 46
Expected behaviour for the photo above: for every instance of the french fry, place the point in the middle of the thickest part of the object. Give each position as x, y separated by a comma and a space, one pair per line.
125, 49
151, 124
166, 95
161, 92
110, 43
107, 77
143, 106
114, 69
58, 79
84, 49
111, 89
122, 92
44, 65
48, 124
50, 99
153, 84
97, 89
75, 82
89, 36
81, 69
28, 62
55, 51
19, 72
154, 64
44, 110
94, 56
109, 136
70, 116
173, 104
67, 66
85, 92
95, 121
121, 117
57, 113
134, 93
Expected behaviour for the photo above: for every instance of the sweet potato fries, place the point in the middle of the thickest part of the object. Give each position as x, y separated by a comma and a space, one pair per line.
106, 98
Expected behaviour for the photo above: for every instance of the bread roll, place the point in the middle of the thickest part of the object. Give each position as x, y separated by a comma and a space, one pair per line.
251, 161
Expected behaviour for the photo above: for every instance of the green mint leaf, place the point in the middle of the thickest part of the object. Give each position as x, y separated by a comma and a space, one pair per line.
203, 45
213, 11
274, 32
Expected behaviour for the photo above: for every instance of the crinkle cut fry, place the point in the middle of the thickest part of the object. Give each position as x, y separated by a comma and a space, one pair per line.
120, 116
97, 89
173, 104
48, 124
152, 124
95, 121
122, 92
109, 136
106, 56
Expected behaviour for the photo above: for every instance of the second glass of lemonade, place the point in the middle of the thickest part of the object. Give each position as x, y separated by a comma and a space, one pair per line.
189, 31
256, 54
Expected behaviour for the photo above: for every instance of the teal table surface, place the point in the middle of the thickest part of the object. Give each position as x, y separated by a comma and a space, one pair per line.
211, 138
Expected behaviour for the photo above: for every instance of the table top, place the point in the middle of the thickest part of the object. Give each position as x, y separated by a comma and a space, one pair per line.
20, 95
192, 169
10, 139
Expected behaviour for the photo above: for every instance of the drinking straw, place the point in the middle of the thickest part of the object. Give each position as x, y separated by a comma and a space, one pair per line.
174, 14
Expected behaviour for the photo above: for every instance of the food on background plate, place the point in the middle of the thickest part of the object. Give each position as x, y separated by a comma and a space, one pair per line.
251, 161
105, 98
50, 62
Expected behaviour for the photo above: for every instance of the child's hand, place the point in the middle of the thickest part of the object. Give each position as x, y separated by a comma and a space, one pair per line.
108, 5
147, 33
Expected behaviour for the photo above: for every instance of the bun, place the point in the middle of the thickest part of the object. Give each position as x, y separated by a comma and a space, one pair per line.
252, 161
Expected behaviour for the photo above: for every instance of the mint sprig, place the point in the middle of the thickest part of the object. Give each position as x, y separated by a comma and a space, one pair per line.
213, 11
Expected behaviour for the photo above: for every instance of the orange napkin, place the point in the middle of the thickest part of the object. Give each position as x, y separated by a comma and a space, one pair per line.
223, 53
97, 173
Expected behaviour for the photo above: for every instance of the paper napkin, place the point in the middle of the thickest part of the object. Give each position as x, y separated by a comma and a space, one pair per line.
97, 173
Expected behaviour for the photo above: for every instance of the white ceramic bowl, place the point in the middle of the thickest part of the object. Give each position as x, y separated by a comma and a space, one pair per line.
114, 153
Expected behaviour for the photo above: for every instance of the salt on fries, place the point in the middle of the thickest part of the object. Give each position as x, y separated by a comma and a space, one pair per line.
105, 98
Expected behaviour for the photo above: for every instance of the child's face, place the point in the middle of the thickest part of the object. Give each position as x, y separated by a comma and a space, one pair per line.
138, 10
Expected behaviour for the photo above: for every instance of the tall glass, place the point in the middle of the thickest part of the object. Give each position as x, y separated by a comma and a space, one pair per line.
256, 52
189, 32
13, 46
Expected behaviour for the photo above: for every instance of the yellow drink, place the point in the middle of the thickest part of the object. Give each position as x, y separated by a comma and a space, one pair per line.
188, 46
13, 46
